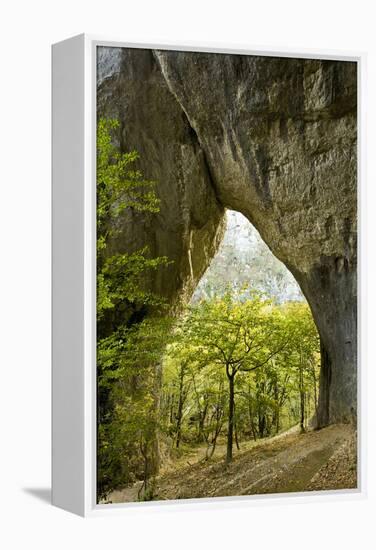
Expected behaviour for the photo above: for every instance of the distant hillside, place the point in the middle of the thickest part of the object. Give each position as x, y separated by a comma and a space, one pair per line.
243, 257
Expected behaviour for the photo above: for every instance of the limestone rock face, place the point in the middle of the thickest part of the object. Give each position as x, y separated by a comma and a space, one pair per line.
273, 138
190, 224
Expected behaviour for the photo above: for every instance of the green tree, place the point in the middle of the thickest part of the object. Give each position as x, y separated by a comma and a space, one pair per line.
126, 384
303, 357
119, 187
237, 335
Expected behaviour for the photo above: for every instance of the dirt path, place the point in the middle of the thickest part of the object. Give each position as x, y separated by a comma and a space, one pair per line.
289, 462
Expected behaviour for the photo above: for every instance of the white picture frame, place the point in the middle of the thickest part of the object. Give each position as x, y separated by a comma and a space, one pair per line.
74, 279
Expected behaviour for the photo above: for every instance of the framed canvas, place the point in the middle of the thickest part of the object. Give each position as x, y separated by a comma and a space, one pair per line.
207, 276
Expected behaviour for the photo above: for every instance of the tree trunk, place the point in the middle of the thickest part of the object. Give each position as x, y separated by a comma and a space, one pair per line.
154, 459
261, 424
301, 393
302, 411
276, 410
315, 391
201, 423
277, 419
230, 430
251, 420
180, 406
236, 436
253, 429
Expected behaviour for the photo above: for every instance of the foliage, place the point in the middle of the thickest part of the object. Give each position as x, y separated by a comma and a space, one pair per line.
120, 187
249, 363
126, 383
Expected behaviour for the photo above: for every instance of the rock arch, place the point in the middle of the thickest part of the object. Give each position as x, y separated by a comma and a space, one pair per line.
275, 139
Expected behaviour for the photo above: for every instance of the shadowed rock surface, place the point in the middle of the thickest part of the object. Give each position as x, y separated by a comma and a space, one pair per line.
273, 138
190, 224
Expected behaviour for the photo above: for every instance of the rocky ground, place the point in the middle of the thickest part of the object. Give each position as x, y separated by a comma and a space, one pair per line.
290, 462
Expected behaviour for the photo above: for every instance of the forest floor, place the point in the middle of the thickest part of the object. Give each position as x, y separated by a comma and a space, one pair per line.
289, 462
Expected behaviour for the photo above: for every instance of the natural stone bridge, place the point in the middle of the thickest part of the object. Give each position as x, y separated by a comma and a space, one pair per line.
273, 138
